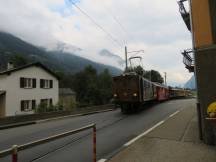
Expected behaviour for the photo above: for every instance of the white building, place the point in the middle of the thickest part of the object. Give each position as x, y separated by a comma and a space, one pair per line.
23, 88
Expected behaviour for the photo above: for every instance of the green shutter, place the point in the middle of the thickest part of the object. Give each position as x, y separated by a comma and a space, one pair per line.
33, 104
22, 106
51, 83
41, 83
21, 82
34, 83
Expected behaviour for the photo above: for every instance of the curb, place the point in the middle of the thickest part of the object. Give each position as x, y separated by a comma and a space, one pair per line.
8, 126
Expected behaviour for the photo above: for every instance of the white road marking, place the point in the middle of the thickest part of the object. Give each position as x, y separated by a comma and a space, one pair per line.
143, 134
174, 114
102, 160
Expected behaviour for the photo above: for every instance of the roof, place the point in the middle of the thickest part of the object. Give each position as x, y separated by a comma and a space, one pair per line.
66, 91
38, 64
2, 92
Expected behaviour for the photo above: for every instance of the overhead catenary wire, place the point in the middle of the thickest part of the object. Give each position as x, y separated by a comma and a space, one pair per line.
96, 24
114, 17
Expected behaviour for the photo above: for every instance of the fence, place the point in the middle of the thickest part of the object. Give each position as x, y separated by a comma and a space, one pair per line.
13, 151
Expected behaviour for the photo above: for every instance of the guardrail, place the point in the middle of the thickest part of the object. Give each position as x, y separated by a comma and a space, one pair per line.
13, 151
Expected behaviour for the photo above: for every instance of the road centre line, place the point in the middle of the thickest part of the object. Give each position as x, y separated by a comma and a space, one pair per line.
143, 134
173, 114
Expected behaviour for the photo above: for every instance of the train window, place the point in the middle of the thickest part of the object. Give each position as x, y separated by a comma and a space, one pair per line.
146, 84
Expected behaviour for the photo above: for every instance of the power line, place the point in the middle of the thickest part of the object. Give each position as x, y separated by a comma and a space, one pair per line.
118, 22
99, 26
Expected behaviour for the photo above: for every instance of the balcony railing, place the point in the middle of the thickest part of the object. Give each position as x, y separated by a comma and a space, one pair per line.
184, 13
188, 60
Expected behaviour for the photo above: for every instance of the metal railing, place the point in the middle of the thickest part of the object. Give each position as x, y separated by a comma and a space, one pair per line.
184, 13
188, 60
13, 151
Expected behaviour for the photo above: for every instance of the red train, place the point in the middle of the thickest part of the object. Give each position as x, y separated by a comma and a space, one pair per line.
131, 91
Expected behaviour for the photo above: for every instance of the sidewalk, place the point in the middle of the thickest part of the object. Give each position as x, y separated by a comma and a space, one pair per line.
176, 140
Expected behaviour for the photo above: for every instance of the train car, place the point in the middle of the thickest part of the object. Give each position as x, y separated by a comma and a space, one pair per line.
178, 93
162, 92
148, 90
127, 91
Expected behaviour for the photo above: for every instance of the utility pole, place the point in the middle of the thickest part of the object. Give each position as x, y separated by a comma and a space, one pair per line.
126, 56
165, 75
150, 75
126, 60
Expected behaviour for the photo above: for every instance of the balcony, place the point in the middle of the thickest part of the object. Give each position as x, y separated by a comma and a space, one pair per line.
184, 13
188, 60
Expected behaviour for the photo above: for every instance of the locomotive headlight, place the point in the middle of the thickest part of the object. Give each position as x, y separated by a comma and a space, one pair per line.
135, 94
115, 95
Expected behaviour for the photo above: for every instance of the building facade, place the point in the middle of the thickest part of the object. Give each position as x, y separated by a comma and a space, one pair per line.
67, 98
23, 89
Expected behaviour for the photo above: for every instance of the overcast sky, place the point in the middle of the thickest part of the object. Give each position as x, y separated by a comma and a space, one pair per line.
153, 25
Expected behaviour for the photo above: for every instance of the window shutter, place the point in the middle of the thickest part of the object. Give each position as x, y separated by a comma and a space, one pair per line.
42, 83
22, 105
51, 83
33, 104
50, 102
21, 82
34, 83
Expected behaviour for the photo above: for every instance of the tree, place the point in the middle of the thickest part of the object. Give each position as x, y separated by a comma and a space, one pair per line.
105, 86
18, 60
92, 88
154, 76
85, 85
138, 69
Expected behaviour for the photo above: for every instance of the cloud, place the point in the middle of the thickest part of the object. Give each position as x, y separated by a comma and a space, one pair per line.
155, 26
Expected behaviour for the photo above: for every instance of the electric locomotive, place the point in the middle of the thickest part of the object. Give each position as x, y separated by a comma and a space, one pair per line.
131, 90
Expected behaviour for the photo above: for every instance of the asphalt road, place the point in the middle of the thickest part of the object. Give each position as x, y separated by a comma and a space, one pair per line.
113, 131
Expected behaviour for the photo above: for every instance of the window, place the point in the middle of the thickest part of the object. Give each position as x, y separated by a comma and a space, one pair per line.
45, 83
47, 102
44, 102
28, 105
27, 83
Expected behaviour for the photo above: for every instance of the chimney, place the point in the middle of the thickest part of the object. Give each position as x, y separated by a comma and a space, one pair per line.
10, 65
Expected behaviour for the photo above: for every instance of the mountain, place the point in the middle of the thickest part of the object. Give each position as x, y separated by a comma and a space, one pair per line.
108, 55
56, 60
190, 83
63, 47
